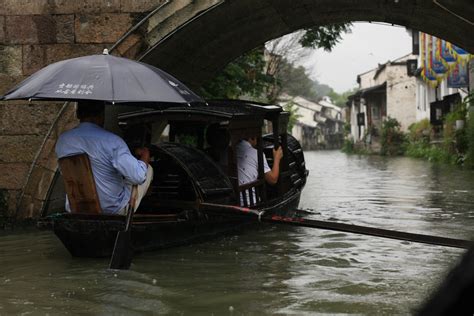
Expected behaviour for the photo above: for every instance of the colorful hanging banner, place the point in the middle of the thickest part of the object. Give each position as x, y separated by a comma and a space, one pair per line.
441, 59
460, 54
459, 50
459, 76
437, 64
446, 54
426, 60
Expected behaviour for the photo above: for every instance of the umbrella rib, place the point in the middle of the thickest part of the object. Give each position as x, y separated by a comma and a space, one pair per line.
143, 89
137, 80
109, 68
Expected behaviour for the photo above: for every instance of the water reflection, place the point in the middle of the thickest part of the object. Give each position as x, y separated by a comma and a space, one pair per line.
275, 269
397, 193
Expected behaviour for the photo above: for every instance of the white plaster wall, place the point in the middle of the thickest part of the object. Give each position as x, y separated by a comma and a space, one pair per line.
356, 136
306, 116
424, 96
297, 132
401, 96
367, 79
353, 122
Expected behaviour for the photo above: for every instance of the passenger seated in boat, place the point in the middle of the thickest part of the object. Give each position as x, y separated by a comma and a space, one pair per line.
114, 168
247, 161
218, 139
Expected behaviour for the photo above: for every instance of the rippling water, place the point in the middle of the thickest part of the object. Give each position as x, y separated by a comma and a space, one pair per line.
275, 270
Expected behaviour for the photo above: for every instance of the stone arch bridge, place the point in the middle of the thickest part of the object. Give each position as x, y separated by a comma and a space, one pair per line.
192, 39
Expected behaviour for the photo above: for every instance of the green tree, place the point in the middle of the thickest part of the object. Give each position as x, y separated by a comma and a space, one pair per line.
341, 99
294, 81
392, 138
247, 76
469, 103
321, 88
244, 76
325, 37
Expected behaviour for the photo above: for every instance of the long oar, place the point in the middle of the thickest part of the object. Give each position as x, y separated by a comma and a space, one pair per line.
123, 251
363, 230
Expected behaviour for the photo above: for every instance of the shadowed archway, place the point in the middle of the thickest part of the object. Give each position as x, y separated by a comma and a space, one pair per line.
203, 46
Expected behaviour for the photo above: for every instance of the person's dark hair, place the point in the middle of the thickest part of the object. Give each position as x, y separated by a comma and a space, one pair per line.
90, 108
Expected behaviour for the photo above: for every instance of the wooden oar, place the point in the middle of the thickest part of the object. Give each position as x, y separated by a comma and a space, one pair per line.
363, 230
123, 251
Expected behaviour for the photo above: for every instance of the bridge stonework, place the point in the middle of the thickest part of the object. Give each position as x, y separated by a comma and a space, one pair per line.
191, 39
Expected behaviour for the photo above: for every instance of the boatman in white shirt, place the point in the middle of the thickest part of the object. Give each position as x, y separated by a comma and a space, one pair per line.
114, 168
247, 161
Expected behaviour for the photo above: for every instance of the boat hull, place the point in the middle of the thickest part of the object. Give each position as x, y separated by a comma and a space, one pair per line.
94, 236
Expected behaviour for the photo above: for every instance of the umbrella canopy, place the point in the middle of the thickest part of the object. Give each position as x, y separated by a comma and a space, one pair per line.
105, 78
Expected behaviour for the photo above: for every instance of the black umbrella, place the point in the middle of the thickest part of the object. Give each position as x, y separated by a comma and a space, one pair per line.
106, 78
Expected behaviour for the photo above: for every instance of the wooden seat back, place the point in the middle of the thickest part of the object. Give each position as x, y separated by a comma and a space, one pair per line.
79, 184
253, 193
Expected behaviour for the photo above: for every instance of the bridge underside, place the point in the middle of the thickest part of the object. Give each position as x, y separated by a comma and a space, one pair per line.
196, 51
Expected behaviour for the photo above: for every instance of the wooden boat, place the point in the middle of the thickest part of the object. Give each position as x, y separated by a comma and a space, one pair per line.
190, 182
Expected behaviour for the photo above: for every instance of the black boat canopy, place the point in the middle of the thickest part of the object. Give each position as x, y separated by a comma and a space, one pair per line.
215, 110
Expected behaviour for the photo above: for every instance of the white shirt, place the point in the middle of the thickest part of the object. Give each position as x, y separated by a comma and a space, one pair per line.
247, 162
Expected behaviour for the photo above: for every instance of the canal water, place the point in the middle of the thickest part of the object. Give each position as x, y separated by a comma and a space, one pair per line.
275, 270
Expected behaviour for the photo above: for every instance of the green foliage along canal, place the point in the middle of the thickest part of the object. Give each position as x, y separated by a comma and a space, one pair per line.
275, 270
